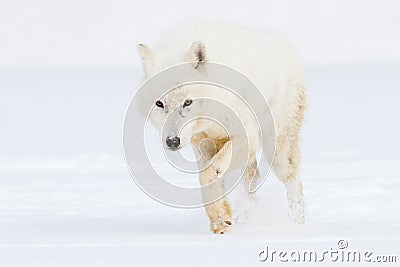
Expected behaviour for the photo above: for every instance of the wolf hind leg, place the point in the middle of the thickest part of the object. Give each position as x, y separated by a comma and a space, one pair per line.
286, 168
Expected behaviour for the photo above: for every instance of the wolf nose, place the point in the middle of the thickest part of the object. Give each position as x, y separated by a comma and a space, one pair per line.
173, 142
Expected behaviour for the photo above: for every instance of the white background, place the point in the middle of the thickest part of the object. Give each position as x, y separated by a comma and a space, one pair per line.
68, 70
92, 33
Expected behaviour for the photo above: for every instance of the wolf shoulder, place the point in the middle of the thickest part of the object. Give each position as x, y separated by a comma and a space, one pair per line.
230, 44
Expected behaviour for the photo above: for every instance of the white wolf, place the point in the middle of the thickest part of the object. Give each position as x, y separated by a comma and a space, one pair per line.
272, 64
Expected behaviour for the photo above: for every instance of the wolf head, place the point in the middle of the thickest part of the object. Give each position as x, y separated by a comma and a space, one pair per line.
173, 111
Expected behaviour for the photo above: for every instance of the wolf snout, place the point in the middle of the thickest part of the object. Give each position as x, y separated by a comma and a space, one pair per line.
173, 142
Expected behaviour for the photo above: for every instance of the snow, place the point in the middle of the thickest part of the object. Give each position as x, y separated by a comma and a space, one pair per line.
66, 198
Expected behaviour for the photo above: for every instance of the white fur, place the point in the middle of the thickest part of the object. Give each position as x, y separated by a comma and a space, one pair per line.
272, 64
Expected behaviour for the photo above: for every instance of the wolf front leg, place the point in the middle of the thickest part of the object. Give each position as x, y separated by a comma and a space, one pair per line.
251, 175
216, 205
216, 153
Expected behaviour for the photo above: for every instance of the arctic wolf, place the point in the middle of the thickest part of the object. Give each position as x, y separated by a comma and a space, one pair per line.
272, 64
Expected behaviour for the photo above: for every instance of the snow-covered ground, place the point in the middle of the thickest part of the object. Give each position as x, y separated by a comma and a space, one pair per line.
67, 199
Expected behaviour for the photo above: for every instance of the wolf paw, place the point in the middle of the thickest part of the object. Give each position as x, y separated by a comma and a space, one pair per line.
220, 226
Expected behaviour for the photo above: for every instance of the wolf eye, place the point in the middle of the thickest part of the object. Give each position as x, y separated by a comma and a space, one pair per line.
159, 104
187, 102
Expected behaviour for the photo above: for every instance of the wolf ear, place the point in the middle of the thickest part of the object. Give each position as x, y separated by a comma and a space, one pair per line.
197, 54
147, 57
